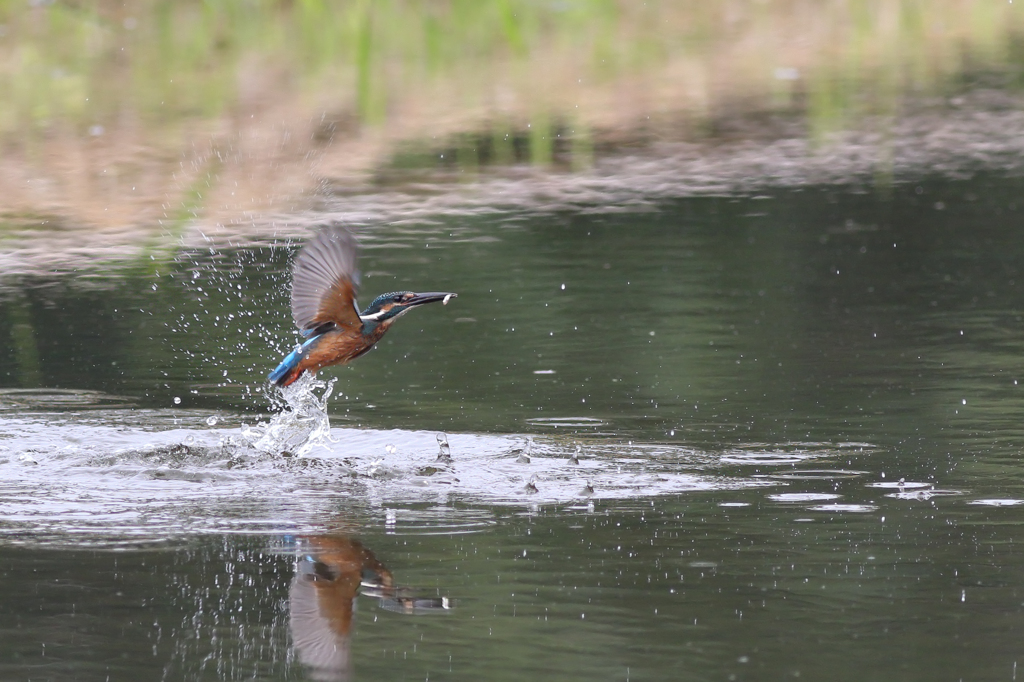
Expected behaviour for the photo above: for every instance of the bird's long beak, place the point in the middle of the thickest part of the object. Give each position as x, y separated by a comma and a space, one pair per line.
429, 297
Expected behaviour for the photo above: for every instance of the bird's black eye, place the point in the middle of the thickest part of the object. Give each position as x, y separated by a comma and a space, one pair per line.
397, 298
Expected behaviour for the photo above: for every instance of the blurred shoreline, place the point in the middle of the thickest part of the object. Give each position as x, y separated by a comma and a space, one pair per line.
980, 132
133, 131
158, 114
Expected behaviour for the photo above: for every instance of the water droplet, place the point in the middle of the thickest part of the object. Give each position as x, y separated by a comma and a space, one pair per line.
177, 400
189, 440
524, 455
211, 420
531, 485
390, 449
445, 452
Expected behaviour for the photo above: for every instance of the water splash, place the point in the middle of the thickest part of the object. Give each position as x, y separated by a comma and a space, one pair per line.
126, 475
574, 458
301, 426
444, 455
527, 453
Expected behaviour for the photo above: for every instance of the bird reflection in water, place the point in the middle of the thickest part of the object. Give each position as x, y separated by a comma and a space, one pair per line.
330, 572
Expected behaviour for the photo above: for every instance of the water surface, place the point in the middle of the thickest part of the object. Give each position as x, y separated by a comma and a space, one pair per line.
749, 437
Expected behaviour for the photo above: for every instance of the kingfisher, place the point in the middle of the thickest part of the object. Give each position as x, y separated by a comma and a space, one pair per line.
324, 285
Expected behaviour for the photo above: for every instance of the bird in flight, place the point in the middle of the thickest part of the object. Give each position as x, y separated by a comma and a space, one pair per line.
324, 285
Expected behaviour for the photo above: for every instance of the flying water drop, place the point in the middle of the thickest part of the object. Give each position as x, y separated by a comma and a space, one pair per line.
574, 458
524, 456
445, 452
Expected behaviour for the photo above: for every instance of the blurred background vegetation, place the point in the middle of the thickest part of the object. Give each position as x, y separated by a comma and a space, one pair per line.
145, 112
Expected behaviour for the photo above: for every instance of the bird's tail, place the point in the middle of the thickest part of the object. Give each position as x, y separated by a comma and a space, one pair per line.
285, 372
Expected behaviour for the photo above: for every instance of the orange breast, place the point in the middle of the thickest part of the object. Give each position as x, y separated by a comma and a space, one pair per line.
339, 347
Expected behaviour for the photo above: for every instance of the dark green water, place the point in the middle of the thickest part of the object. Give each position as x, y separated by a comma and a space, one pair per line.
795, 355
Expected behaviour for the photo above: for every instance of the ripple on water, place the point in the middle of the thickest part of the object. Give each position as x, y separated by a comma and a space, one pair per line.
93, 478
844, 508
154, 475
764, 458
57, 399
53, 399
777, 455
819, 474
567, 422
923, 494
997, 502
438, 521
803, 497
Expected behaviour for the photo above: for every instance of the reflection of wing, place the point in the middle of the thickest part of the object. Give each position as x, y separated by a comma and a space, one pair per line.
325, 281
318, 644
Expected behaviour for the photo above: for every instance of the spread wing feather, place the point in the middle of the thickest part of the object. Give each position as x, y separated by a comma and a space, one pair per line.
316, 638
325, 281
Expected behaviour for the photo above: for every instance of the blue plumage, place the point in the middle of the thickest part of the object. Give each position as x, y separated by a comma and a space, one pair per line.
324, 284
292, 359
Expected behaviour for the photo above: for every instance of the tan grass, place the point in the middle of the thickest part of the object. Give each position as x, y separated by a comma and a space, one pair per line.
171, 111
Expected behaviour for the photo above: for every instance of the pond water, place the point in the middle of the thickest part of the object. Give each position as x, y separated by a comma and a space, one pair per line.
760, 437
